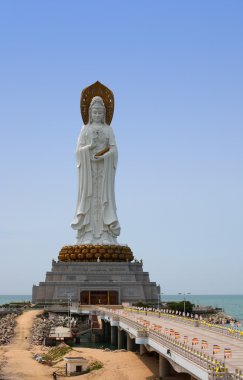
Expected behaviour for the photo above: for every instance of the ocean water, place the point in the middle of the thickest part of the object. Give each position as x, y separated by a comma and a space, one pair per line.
231, 304
14, 298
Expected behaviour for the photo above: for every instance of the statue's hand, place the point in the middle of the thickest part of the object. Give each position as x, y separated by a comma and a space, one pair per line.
99, 158
106, 154
93, 144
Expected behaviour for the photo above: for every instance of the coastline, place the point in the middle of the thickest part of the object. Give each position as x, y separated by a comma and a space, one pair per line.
232, 304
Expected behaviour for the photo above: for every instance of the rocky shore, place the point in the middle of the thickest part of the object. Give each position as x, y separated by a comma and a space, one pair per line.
7, 325
43, 324
219, 318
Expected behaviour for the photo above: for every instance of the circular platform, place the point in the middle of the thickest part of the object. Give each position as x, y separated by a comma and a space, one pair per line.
96, 253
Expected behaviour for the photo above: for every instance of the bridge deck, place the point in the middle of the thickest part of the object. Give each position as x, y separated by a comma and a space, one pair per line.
188, 329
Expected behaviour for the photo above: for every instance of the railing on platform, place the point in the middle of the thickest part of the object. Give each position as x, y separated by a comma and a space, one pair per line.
216, 369
201, 359
217, 375
227, 331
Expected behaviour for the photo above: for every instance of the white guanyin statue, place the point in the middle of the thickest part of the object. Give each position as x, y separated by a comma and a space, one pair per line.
95, 219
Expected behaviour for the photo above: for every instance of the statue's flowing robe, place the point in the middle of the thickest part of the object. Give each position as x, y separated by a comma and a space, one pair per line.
96, 208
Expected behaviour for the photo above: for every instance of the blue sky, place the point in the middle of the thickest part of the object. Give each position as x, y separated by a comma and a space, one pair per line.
175, 68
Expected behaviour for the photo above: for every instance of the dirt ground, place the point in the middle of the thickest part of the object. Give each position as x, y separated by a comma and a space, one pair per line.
17, 363
16, 357
118, 365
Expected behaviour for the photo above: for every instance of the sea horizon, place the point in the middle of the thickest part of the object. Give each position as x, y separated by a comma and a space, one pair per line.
231, 304
167, 295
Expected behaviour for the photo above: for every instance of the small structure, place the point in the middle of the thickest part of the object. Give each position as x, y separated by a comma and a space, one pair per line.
76, 365
59, 334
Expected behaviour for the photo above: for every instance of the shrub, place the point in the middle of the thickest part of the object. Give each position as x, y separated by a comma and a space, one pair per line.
56, 353
95, 365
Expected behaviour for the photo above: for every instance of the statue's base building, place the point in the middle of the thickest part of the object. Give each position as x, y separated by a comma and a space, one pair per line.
94, 282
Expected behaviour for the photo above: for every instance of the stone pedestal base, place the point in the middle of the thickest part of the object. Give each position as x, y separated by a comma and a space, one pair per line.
95, 283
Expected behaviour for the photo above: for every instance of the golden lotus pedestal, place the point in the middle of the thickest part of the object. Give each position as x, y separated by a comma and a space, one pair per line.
99, 253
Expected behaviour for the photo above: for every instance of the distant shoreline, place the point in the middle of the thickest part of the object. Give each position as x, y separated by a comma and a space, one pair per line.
232, 304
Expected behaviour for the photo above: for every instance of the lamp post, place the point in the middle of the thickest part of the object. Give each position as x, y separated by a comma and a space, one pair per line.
184, 294
69, 308
159, 294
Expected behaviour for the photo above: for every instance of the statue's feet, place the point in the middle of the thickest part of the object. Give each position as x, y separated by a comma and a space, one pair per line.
108, 239
106, 242
105, 239
85, 239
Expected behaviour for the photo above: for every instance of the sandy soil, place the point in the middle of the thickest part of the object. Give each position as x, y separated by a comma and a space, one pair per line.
118, 365
17, 357
19, 364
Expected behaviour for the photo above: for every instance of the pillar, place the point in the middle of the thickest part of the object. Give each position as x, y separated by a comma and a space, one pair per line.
121, 339
105, 332
89, 297
130, 342
114, 335
108, 332
103, 329
108, 297
164, 367
142, 349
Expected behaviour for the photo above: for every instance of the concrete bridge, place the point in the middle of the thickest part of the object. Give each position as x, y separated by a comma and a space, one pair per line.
182, 345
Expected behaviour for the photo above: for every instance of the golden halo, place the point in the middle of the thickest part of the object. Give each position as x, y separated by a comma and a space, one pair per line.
97, 89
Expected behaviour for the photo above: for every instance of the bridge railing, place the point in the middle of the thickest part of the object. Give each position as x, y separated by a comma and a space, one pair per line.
214, 375
197, 357
223, 330
185, 351
237, 334
216, 369
122, 318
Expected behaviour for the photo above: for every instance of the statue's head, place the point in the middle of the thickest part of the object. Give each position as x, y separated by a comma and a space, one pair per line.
97, 110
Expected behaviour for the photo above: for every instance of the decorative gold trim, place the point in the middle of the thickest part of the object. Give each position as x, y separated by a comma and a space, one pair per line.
96, 253
97, 89
103, 151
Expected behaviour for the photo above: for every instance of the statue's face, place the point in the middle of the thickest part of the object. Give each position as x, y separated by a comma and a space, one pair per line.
97, 114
